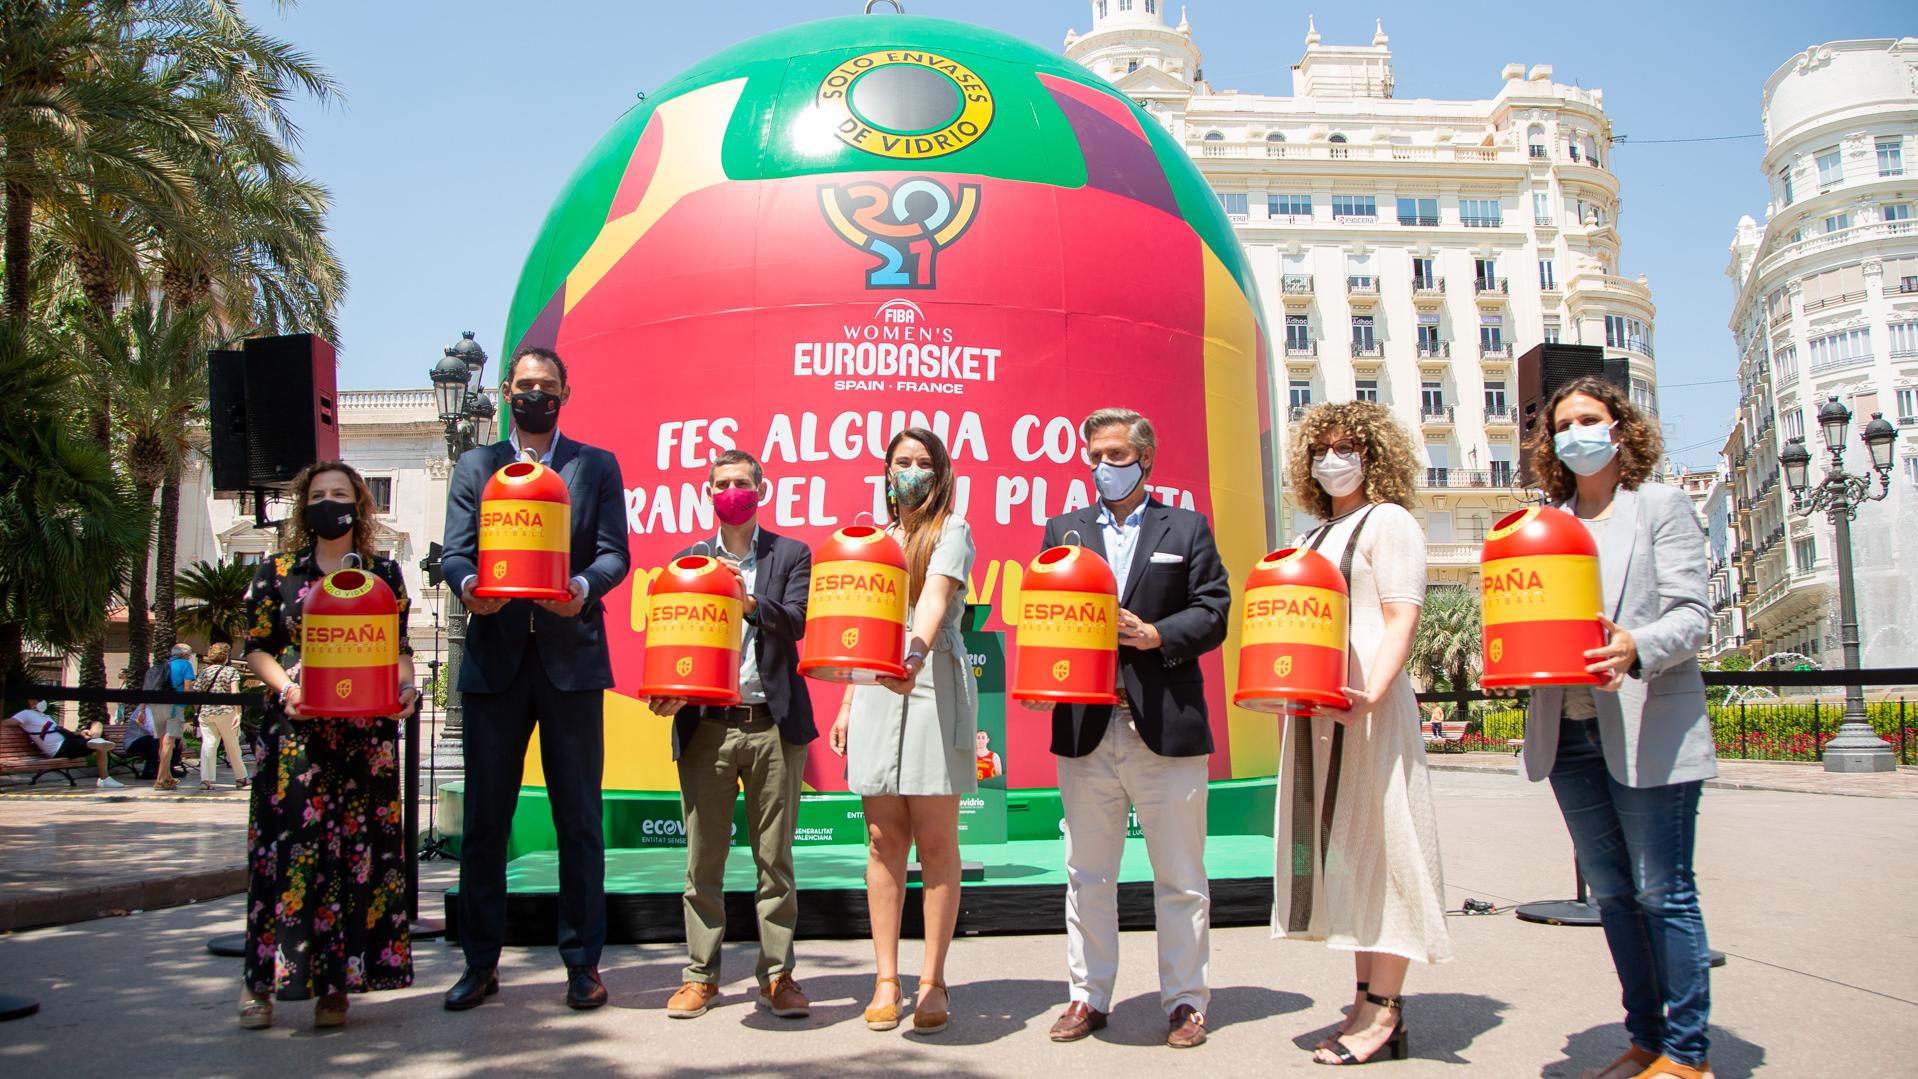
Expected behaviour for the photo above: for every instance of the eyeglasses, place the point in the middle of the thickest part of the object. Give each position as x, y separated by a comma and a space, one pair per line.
1344, 448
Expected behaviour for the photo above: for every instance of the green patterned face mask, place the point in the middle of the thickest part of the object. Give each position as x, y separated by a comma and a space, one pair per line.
910, 486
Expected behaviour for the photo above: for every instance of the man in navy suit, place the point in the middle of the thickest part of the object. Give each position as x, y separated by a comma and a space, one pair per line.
1150, 752
758, 746
540, 663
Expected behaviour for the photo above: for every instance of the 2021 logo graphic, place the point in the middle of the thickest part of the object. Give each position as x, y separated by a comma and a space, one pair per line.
904, 226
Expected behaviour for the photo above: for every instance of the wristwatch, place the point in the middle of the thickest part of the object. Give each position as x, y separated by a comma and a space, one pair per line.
920, 656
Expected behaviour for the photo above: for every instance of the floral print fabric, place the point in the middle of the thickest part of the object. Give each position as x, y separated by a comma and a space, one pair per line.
326, 887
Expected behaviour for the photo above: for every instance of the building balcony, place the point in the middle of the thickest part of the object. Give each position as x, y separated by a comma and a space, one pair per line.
1367, 350
1455, 479
1452, 554
1504, 418
1490, 293
1297, 412
1495, 355
1441, 416
1438, 354
1362, 291
1842, 363
1825, 241
1296, 284
1428, 291
1418, 221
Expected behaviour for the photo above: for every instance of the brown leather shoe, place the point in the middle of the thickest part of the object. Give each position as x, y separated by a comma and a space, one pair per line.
784, 999
692, 1000
1188, 1028
1078, 1021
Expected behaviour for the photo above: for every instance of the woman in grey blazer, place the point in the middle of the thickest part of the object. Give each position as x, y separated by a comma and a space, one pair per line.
1628, 757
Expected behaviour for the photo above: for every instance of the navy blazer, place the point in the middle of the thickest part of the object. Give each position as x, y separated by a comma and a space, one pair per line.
781, 585
573, 650
1187, 594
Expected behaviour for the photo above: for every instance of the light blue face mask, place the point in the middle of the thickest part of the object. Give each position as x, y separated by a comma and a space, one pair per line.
1586, 449
1117, 482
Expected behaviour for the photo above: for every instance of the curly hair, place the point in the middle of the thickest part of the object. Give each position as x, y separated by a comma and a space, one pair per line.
1391, 459
295, 536
1639, 443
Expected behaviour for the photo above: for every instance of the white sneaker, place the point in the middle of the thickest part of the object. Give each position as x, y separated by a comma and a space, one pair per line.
109, 781
99, 743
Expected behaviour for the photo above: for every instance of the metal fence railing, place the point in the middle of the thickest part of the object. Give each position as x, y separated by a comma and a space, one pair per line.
1756, 715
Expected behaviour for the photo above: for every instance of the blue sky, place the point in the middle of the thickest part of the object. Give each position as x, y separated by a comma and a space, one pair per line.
462, 120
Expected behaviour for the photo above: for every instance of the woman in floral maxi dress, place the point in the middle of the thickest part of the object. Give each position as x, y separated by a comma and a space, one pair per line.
326, 892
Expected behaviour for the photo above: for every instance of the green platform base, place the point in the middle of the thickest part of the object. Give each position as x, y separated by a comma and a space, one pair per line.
645, 820
1023, 891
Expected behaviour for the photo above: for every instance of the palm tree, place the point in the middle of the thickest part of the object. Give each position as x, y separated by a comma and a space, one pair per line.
68, 525
218, 592
1446, 647
156, 397
79, 130
252, 253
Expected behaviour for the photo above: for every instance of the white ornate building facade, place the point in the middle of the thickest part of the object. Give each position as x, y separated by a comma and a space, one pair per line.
1710, 490
1826, 304
1406, 249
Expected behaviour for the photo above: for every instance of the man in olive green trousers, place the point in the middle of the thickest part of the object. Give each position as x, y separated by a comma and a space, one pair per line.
758, 745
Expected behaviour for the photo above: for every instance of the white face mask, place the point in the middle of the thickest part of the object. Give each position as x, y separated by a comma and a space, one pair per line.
1339, 473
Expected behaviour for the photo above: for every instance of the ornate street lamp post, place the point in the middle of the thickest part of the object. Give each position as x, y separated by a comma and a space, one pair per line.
1856, 747
468, 413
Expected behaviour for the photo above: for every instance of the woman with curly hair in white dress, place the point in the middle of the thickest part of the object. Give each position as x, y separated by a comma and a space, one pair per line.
1357, 839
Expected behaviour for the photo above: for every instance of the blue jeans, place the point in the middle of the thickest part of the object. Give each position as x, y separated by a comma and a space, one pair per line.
1634, 845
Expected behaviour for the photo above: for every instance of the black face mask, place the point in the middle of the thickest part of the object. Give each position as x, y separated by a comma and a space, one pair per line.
535, 411
329, 519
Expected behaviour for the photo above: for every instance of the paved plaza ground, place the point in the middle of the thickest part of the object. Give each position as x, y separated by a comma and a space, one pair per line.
1808, 894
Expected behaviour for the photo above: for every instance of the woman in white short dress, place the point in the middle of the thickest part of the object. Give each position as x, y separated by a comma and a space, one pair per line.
910, 743
1357, 840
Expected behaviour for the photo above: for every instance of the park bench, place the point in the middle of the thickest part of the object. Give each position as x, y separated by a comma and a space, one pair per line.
19, 756
1451, 730
116, 758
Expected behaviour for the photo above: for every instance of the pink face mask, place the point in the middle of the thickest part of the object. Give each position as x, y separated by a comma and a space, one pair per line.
735, 505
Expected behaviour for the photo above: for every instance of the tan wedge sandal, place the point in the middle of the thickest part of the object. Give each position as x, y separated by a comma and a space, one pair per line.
930, 1022
256, 1013
1667, 1068
330, 1011
886, 1018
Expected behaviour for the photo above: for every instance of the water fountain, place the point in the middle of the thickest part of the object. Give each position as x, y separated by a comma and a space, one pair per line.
1885, 570
1777, 661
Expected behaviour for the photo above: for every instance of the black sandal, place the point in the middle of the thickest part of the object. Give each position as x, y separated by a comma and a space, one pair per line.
1397, 1041
1330, 1039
